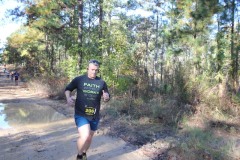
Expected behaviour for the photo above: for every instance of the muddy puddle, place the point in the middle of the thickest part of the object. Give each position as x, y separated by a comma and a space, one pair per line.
18, 114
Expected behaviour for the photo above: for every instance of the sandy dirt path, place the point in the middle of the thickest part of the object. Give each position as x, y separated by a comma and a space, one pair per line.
53, 140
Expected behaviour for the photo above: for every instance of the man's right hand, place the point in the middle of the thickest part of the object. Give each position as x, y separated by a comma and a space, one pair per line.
69, 98
70, 101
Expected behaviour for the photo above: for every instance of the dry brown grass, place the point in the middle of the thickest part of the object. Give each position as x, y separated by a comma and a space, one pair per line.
208, 130
52, 87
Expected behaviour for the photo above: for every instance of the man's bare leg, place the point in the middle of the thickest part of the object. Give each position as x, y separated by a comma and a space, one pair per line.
84, 139
88, 141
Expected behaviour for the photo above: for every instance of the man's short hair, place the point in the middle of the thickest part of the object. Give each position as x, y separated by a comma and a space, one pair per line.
94, 61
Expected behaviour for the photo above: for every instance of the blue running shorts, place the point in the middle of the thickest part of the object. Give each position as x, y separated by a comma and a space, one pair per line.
80, 121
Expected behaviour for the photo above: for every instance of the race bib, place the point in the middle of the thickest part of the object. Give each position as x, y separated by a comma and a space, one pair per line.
90, 111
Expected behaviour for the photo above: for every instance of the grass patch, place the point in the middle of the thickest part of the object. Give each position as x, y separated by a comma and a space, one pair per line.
202, 144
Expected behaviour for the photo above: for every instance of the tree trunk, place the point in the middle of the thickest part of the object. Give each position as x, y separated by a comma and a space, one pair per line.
80, 31
156, 55
234, 55
52, 58
100, 26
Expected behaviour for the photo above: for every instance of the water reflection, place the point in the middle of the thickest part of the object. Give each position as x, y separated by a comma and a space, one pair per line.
14, 114
3, 123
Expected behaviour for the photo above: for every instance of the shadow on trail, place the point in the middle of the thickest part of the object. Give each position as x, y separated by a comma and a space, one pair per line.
7, 84
228, 127
42, 146
58, 142
109, 148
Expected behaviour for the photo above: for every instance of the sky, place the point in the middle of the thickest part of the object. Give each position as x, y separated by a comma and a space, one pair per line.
7, 26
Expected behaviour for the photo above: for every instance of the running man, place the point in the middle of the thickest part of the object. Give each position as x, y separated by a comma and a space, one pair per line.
90, 90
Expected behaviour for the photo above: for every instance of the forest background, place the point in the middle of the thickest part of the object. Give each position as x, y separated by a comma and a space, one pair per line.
177, 66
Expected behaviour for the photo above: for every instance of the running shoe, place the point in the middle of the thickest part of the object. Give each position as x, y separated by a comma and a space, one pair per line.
84, 156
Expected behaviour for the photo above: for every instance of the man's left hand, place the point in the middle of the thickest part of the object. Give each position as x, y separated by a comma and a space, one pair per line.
105, 96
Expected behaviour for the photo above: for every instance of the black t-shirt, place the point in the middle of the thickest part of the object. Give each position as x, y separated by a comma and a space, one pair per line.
89, 92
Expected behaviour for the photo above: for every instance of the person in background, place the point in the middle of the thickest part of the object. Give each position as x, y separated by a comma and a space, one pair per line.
12, 75
4, 68
90, 90
16, 76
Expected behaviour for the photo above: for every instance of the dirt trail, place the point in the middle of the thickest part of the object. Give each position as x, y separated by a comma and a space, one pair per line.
53, 140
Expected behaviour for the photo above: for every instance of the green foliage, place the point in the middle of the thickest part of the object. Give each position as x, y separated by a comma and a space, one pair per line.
69, 68
124, 83
181, 86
